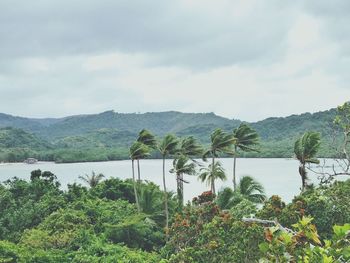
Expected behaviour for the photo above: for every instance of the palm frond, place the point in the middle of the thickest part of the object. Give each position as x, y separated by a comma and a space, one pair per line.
93, 179
168, 145
251, 189
208, 173
147, 138
221, 142
246, 138
306, 147
138, 150
190, 146
183, 165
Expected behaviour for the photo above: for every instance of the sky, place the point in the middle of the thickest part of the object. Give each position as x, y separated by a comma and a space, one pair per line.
241, 59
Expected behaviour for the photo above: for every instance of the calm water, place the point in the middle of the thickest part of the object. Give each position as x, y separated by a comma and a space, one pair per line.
278, 176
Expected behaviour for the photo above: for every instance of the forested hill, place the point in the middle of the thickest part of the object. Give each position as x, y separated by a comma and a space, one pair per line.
111, 133
17, 138
159, 122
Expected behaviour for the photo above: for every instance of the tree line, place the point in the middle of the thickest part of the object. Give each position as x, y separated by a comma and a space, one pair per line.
183, 151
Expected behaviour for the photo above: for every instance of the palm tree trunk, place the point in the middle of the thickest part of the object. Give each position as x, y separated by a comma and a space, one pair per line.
182, 190
302, 173
138, 171
212, 176
165, 198
304, 178
178, 181
135, 190
234, 170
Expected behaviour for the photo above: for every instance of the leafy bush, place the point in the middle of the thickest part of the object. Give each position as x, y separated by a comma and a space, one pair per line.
328, 205
206, 234
304, 245
25, 204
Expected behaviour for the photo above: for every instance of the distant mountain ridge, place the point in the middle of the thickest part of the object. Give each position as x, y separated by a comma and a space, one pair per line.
109, 131
165, 122
159, 122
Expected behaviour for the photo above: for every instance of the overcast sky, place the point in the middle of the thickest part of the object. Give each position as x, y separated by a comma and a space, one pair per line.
243, 59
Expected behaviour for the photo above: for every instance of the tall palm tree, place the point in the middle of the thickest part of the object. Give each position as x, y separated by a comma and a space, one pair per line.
305, 150
190, 147
221, 142
182, 165
137, 151
168, 146
246, 139
212, 173
92, 180
148, 139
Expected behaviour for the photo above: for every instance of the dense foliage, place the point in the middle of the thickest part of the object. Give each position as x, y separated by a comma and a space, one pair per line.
41, 223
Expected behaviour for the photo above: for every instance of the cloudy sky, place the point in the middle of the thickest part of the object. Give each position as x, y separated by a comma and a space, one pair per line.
243, 59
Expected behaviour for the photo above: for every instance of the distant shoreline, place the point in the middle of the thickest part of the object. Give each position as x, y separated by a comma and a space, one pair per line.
153, 159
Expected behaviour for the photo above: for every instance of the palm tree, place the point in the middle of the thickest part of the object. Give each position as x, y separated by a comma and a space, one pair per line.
190, 147
92, 180
212, 173
182, 165
251, 189
246, 139
248, 188
151, 201
305, 150
227, 198
221, 142
137, 151
167, 146
148, 139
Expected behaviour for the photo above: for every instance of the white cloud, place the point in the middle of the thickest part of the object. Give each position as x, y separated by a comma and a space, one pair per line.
241, 59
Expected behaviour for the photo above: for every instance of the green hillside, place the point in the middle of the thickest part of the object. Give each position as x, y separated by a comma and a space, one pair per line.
17, 138
159, 122
17, 145
107, 136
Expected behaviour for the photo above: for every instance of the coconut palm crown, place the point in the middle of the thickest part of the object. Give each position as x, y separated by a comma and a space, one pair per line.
251, 189
220, 142
92, 180
190, 147
147, 138
248, 188
211, 173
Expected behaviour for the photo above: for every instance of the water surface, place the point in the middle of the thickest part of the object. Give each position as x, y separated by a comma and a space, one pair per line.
278, 176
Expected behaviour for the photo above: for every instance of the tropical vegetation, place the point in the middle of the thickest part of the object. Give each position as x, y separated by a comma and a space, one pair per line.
113, 220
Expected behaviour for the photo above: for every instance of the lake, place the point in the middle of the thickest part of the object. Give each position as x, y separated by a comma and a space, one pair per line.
278, 176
